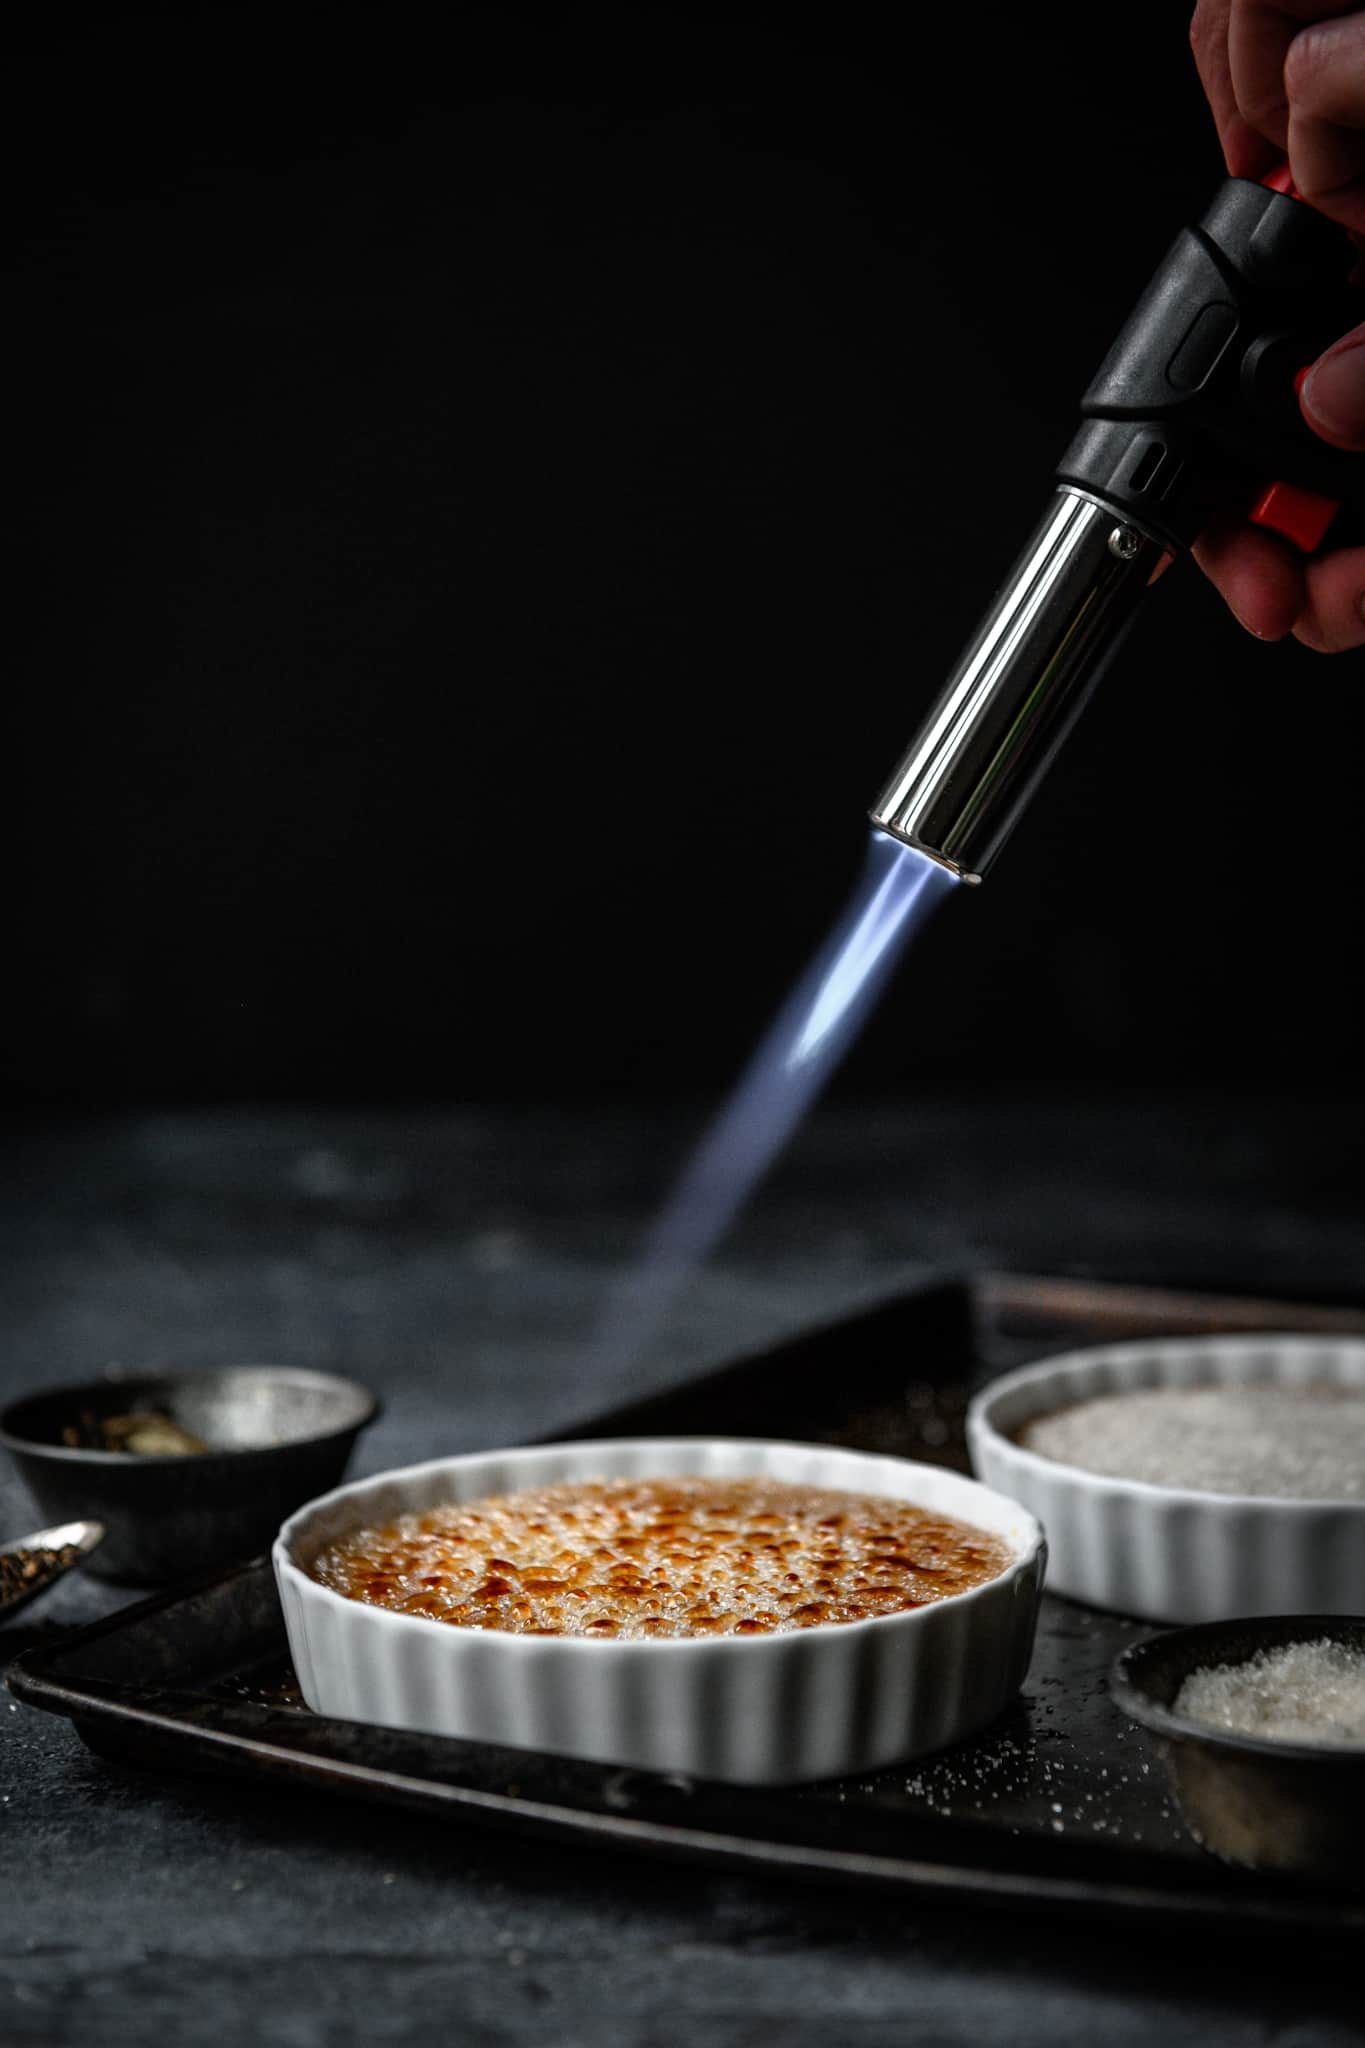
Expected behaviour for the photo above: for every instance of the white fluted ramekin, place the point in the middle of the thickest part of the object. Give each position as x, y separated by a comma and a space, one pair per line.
769, 1709
1166, 1553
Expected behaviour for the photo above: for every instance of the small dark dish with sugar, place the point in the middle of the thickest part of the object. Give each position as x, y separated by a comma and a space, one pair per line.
1255, 1800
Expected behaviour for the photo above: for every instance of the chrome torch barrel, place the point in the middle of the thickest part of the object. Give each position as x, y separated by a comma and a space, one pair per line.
1017, 690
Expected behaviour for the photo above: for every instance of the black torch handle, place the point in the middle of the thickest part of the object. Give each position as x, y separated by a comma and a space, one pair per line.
1195, 411
1194, 416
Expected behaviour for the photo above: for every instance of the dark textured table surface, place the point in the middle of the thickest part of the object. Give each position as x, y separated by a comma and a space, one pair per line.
457, 1261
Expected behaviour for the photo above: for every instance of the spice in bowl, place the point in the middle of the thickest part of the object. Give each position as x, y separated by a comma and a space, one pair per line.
146, 1434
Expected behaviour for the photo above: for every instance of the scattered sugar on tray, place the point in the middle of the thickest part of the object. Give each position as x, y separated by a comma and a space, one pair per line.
1302, 1443
1301, 1692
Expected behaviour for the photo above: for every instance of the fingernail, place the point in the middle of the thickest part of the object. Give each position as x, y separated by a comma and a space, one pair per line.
1334, 394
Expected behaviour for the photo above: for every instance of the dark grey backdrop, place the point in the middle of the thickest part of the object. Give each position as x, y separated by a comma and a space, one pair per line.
494, 493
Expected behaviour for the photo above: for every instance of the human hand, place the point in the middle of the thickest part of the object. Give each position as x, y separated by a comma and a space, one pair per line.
1287, 78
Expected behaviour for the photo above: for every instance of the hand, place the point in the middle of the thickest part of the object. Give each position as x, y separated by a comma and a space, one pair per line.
1287, 78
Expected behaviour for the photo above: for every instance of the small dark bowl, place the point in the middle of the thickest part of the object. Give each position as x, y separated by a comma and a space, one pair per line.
1268, 1805
276, 1436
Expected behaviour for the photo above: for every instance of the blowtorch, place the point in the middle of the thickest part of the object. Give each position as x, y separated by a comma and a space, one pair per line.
1193, 415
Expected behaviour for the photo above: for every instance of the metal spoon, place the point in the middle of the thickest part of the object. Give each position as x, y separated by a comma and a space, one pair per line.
30, 1564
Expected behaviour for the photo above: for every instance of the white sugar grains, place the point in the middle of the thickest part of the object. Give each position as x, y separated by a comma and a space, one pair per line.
1302, 1692
1281, 1443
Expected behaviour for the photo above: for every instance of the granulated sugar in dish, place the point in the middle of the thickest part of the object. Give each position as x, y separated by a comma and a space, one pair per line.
1282, 1443
1302, 1692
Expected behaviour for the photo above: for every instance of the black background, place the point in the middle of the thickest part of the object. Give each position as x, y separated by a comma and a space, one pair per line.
494, 492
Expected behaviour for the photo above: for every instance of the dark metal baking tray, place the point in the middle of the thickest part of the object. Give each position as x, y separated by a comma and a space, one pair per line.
1060, 1804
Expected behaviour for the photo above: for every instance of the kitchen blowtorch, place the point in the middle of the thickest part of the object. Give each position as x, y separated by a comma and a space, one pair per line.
1194, 410
1191, 415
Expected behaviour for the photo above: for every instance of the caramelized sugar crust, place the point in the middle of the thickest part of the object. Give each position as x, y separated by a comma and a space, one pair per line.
639, 1558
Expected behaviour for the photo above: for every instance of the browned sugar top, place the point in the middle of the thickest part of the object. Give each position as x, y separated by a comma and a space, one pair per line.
662, 1557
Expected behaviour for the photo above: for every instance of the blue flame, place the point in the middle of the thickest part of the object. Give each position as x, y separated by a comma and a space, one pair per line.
813, 1031
849, 975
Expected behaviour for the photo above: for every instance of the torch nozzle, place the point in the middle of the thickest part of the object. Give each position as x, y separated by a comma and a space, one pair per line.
1013, 696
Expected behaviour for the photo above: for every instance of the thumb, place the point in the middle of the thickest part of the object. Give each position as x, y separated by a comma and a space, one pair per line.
1333, 394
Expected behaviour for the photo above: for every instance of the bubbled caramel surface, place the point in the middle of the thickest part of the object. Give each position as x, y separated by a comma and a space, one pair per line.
640, 1558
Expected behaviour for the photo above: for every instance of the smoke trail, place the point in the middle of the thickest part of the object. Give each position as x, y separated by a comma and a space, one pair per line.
811, 1035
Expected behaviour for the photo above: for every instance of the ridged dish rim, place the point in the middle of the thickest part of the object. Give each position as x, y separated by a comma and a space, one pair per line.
1020, 1561
980, 1418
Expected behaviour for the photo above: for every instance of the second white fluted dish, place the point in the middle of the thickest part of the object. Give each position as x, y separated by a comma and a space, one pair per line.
1177, 1553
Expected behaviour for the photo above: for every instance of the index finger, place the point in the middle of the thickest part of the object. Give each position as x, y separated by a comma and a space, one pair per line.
1259, 33
1246, 153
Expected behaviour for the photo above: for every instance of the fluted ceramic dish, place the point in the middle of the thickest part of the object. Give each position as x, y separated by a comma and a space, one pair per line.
765, 1709
1167, 1553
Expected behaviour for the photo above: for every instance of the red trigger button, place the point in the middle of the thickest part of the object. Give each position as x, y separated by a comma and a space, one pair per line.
1281, 179
1300, 517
